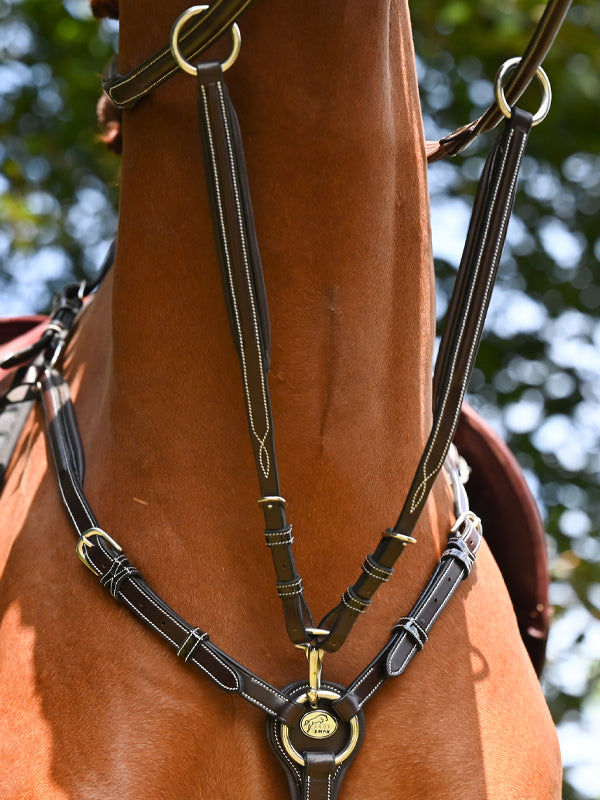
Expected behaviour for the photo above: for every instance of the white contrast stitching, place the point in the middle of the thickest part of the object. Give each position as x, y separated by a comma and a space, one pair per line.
263, 453
284, 752
52, 390
422, 487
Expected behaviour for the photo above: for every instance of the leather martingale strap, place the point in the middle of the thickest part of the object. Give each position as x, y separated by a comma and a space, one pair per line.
460, 342
243, 285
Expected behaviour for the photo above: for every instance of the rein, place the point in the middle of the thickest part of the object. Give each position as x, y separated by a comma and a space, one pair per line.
315, 728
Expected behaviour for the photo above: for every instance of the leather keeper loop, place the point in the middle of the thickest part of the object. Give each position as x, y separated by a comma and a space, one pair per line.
279, 536
353, 602
119, 569
375, 570
347, 706
416, 632
195, 637
458, 549
289, 588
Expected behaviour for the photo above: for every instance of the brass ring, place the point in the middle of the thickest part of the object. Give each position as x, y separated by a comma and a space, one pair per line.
176, 30
345, 753
507, 67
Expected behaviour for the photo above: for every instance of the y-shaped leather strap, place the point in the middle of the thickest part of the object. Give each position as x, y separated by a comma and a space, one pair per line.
244, 291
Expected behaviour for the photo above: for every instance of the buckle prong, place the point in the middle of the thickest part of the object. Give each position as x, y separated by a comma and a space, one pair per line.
84, 541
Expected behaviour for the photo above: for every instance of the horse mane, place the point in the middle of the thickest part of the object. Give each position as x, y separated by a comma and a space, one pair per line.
109, 119
109, 116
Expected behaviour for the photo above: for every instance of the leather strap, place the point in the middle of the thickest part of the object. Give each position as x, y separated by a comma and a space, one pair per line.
410, 633
323, 766
126, 90
12, 422
540, 43
106, 559
242, 282
320, 773
460, 342
317, 776
245, 297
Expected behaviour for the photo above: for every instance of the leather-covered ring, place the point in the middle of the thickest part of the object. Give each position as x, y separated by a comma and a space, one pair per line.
507, 67
192, 11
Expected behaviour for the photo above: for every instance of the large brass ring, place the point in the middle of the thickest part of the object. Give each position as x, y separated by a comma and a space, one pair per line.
176, 30
327, 694
507, 67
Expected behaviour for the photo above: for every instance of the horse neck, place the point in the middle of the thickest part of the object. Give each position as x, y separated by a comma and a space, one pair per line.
329, 114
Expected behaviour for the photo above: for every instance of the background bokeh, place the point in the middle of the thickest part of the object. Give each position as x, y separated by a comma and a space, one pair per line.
538, 374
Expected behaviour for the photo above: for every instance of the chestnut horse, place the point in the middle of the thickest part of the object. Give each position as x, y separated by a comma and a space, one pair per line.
91, 704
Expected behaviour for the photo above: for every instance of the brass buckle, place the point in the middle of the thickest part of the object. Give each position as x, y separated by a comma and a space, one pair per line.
84, 540
465, 523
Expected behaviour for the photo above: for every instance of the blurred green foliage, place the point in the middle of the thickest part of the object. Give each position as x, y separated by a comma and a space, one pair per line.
538, 374
57, 182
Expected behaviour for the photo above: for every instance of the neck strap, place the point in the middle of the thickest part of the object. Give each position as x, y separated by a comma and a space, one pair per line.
127, 90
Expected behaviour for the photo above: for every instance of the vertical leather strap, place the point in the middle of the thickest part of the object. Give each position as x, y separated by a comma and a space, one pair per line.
460, 343
318, 776
243, 286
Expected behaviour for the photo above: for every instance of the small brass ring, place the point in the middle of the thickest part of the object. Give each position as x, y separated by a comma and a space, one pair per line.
297, 757
176, 30
544, 108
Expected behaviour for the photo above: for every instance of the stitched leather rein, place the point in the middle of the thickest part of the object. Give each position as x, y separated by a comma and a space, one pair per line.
315, 728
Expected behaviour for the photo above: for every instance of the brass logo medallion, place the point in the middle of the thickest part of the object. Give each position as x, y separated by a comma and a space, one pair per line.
318, 724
